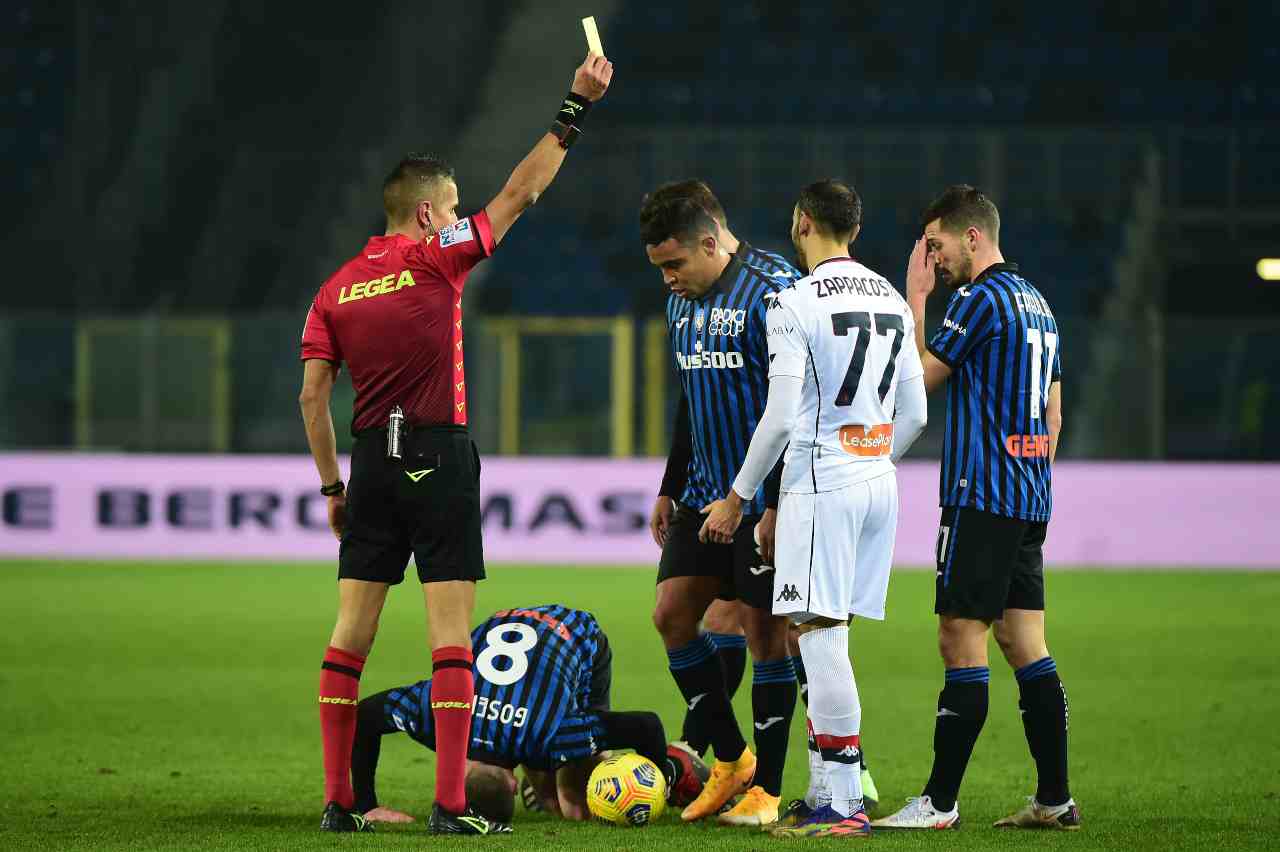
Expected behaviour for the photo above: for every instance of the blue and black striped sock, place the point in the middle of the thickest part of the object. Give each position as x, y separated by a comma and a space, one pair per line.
731, 649
773, 701
962, 711
797, 663
1043, 702
700, 677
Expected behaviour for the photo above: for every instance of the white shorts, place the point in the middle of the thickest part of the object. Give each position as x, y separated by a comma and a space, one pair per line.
833, 551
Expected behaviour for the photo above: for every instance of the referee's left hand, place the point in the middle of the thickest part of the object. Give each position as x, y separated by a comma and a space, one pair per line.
338, 514
592, 78
723, 518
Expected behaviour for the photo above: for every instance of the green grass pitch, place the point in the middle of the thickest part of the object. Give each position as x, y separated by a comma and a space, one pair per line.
172, 706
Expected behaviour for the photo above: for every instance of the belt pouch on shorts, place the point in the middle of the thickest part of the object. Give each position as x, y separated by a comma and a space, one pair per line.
420, 448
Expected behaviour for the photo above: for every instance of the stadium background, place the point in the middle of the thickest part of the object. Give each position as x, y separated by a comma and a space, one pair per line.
182, 178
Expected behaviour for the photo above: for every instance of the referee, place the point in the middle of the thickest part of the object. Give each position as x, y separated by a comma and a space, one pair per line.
393, 314
997, 350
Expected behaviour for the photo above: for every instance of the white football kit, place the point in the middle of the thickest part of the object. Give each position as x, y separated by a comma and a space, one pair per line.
849, 338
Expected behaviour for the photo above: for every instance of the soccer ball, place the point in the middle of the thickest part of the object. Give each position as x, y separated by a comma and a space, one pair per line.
627, 790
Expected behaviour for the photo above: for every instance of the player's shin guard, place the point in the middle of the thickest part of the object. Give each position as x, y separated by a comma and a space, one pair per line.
452, 691
731, 650
1043, 702
339, 690
835, 712
962, 711
773, 701
700, 678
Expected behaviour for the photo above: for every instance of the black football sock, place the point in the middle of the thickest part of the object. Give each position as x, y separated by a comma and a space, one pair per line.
731, 650
1043, 702
773, 701
700, 677
797, 663
962, 710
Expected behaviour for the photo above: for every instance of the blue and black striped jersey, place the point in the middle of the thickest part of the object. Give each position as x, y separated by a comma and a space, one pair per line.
722, 356
532, 682
769, 262
1001, 339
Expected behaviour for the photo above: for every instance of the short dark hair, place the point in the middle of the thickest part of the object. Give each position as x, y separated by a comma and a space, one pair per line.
961, 207
413, 177
489, 791
694, 190
833, 205
681, 218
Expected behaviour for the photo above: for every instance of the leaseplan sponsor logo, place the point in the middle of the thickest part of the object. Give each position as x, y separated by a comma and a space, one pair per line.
867, 441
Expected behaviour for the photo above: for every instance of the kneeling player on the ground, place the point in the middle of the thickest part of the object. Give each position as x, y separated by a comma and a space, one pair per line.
543, 678
839, 330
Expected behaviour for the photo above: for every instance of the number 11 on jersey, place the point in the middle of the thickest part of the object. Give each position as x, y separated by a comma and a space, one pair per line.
1039, 343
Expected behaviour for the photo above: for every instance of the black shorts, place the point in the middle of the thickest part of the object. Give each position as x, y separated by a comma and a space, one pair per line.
742, 574
427, 504
988, 563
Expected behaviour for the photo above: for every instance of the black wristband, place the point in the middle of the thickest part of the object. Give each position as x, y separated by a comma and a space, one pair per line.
333, 490
573, 110
566, 133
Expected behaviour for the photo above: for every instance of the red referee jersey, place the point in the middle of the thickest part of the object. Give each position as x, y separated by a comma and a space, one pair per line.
393, 313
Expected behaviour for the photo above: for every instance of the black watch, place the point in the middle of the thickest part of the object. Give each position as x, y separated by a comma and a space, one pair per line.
333, 490
566, 133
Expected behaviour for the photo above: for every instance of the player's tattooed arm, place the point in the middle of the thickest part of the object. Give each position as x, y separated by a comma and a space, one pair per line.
365, 751
571, 790
1053, 418
921, 279
676, 475
543, 784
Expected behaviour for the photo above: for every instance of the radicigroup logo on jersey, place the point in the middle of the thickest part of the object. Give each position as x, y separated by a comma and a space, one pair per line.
269, 507
726, 322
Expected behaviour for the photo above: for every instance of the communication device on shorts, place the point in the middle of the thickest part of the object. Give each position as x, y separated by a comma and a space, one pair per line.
395, 425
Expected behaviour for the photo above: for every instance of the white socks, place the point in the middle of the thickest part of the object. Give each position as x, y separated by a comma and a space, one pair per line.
835, 714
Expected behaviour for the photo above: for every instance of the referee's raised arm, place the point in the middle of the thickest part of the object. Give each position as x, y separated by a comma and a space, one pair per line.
539, 167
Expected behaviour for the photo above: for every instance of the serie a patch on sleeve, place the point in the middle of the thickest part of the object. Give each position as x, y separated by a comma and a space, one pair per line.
459, 232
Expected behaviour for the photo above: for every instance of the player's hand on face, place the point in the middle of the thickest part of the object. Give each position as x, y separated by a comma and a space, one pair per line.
722, 522
591, 80
920, 272
660, 520
765, 534
387, 815
338, 514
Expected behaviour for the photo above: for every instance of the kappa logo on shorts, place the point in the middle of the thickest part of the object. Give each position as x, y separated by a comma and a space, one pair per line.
788, 593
